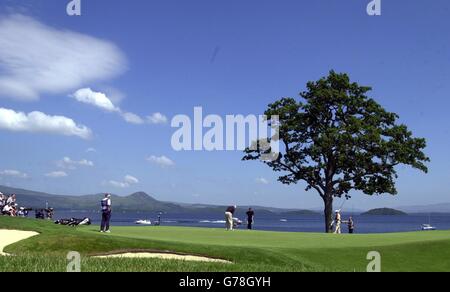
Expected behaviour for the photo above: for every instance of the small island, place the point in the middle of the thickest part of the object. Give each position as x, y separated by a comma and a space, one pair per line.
384, 212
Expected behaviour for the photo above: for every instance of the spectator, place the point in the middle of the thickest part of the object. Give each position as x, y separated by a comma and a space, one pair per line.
11, 200
2, 201
250, 218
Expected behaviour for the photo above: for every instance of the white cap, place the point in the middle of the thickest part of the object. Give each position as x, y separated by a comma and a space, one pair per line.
337, 211
1, 194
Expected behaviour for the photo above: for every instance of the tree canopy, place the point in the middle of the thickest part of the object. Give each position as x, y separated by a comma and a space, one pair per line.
337, 139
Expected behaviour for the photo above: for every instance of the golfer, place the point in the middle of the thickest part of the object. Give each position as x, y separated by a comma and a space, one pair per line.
229, 217
351, 225
106, 213
250, 218
337, 221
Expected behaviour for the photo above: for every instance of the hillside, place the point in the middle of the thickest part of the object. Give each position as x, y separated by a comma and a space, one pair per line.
384, 212
139, 201
426, 209
135, 202
299, 213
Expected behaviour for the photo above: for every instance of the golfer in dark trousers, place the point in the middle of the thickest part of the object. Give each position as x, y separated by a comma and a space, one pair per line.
106, 213
250, 218
351, 225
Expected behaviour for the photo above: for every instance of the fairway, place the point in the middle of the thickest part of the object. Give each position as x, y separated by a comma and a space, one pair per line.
247, 250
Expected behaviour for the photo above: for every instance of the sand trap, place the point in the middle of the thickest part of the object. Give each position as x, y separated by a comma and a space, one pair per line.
8, 237
166, 256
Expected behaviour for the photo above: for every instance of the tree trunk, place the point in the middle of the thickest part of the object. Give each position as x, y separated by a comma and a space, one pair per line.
328, 212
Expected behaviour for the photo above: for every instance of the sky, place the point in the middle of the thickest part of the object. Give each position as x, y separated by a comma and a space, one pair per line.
86, 102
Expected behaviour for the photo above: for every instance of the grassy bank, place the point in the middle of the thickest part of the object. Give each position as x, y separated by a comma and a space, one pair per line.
249, 251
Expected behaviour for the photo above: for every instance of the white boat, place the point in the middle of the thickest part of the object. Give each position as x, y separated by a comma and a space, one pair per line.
283, 220
143, 222
427, 227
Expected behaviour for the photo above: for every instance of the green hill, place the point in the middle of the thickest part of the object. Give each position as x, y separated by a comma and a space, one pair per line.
299, 213
384, 212
136, 202
140, 202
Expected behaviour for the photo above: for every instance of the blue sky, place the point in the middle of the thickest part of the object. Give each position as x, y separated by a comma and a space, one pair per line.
230, 57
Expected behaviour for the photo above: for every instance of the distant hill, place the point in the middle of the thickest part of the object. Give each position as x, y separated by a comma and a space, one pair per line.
137, 202
299, 213
384, 212
426, 209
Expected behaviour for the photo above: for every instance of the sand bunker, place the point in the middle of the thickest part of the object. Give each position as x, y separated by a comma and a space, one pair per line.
166, 256
8, 237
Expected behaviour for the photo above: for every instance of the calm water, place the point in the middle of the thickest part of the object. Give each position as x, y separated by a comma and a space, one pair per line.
309, 223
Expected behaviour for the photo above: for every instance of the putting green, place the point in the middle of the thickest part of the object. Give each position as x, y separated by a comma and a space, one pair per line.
247, 250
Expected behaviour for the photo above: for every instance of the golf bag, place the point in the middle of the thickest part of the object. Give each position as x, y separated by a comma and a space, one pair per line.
74, 222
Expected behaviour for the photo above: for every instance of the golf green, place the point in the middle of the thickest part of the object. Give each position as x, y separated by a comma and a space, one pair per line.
247, 250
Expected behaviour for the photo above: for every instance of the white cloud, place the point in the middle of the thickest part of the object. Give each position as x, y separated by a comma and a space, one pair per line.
102, 101
38, 122
91, 150
36, 59
131, 179
162, 161
128, 180
68, 163
97, 99
132, 118
157, 118
56, 174
13, 173
114, 95
262, 180
118, 184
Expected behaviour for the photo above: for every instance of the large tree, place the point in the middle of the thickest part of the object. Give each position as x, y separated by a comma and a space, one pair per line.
337, 139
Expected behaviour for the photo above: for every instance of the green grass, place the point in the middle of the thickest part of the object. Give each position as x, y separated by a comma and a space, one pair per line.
248, 250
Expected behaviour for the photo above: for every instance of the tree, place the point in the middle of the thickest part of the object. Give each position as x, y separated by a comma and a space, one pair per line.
337, 139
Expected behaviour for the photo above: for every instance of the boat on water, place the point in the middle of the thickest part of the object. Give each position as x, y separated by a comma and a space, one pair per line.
143, 222
427, 227
283, 220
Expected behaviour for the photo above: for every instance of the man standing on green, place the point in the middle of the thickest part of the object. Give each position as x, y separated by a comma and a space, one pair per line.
229, 213
337, 222
250, 218
351, 225
106, 213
